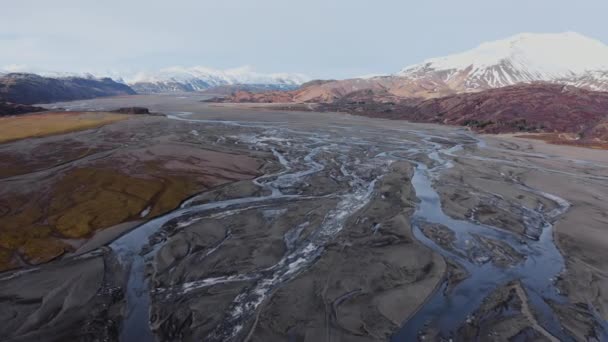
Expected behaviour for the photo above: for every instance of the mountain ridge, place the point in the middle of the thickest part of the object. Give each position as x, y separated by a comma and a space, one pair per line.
25, 88
182, 79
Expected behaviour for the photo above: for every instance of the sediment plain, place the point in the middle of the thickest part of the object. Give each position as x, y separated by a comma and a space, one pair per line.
229, 223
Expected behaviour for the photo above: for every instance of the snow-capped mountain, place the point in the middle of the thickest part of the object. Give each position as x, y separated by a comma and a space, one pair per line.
593, 80
563, 58
177, 79
568, 58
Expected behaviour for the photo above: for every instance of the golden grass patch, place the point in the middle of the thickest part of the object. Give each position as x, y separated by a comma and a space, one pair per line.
38, 125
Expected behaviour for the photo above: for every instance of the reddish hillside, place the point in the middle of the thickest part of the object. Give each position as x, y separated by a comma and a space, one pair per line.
537, 107
331, 91
241, 96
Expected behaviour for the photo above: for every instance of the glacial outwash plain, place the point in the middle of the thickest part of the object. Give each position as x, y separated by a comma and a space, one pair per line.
239, 222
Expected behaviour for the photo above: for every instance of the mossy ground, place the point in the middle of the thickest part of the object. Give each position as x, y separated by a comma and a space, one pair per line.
57, 197
34, 228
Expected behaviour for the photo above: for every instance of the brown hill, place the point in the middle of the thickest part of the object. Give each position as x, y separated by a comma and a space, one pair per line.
229, 89
536, 107
331, 91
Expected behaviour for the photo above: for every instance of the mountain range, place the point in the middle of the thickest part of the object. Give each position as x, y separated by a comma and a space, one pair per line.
528, 82
550, 83
564, 58
46, 87
184, 79
180, 79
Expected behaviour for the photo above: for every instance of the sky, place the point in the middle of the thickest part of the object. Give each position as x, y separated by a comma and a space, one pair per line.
320, 38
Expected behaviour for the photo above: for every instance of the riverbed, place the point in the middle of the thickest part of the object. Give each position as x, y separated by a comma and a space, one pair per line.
361, 229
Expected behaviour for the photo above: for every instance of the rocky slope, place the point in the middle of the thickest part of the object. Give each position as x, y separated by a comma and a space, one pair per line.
536, 107
30, 88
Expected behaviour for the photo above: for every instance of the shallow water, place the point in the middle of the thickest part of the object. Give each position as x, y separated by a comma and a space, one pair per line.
133, 249
303, 154
543, 262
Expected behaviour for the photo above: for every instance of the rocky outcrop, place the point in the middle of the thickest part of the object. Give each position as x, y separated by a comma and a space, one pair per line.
7, 108
132, 110
30, 88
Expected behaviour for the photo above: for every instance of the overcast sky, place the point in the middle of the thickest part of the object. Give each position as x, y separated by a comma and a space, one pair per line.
321, 38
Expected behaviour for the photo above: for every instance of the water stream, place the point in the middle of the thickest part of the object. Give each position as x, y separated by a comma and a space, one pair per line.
300, 154
542, 264
137, 247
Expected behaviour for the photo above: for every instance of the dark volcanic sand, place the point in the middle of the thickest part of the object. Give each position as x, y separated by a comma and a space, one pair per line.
346, 238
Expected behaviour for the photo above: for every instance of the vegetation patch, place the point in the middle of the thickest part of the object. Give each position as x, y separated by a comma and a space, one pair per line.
39, 125
37, 228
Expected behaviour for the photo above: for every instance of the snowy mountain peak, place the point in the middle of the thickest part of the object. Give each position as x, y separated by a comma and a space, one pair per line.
524, 57
180, 78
